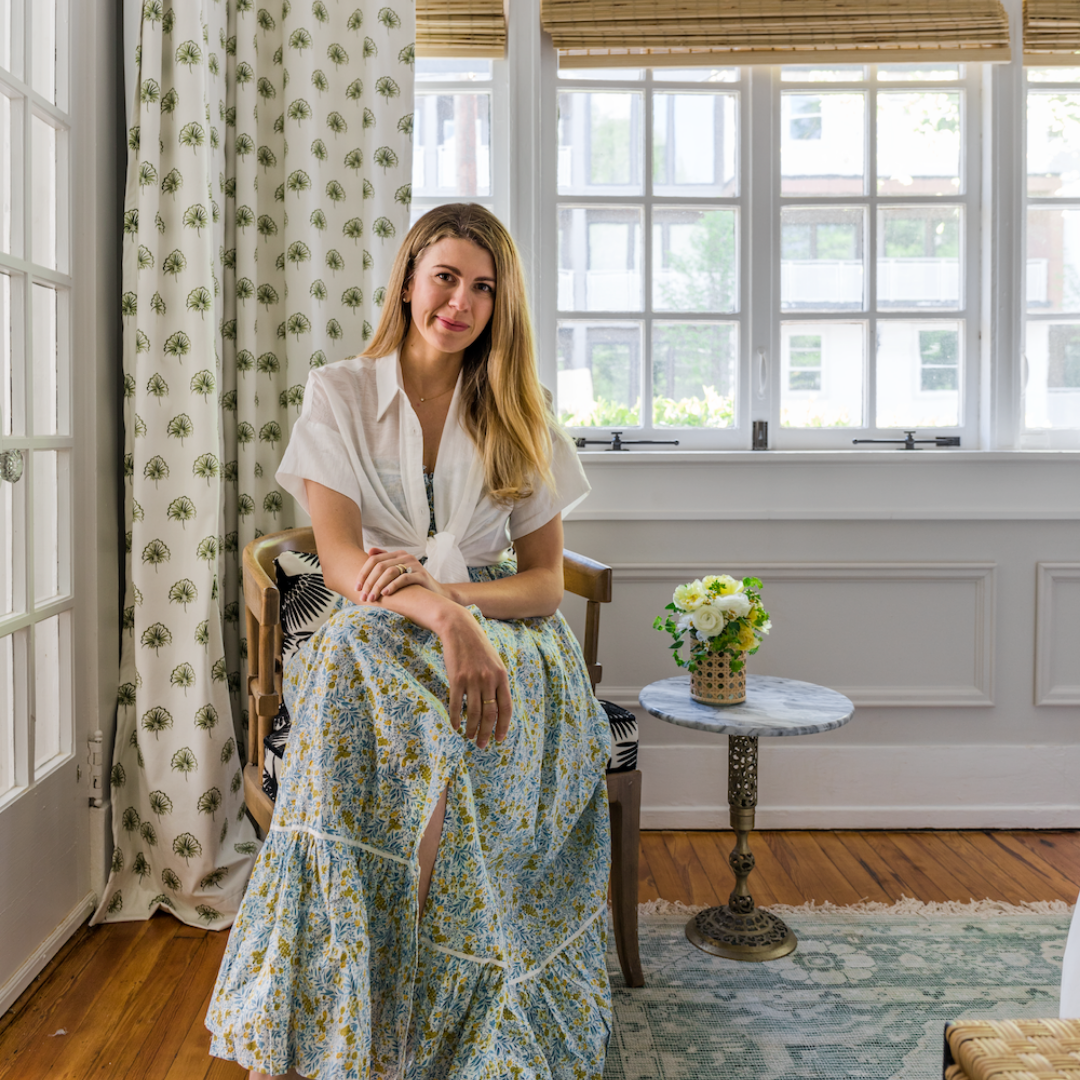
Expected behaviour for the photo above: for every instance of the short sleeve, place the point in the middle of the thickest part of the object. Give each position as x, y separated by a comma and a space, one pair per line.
543, 504
317, 450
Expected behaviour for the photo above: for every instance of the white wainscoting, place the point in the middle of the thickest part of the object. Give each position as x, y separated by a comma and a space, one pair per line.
927, 637
1057, 663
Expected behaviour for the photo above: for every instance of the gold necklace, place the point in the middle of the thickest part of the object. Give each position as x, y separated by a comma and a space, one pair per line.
432, 397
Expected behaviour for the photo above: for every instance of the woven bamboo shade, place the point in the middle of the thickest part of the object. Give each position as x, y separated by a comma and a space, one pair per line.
1052, 32
460, 28
683, 33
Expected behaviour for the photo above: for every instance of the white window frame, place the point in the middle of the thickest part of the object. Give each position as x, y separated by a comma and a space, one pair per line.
759, 376
497, 87
1038, 438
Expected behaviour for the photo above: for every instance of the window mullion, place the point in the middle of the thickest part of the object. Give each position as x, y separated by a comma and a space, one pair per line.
761, 260
870, 256
647, 267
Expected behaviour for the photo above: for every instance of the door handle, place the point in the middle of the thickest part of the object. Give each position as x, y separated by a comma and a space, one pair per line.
11, 466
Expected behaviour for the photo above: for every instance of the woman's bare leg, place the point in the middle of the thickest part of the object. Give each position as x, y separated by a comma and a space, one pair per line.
429, 848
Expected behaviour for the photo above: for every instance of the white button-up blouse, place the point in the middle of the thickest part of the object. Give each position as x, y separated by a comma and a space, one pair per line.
359, 435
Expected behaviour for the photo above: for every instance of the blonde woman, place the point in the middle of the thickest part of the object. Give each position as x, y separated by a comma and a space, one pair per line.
430, 902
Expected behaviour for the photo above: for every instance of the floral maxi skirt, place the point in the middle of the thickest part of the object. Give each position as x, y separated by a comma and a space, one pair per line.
326, 969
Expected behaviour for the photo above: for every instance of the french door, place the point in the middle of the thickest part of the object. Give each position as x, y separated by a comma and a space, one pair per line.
43, 806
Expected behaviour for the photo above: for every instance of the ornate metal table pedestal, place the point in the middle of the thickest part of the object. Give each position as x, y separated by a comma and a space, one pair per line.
737, 929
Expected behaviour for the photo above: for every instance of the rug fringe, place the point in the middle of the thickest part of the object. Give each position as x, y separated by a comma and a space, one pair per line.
906, 905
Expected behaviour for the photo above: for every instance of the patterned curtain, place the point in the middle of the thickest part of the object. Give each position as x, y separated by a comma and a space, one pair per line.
267, 192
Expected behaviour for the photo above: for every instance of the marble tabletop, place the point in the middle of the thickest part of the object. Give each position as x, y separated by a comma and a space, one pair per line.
773, 706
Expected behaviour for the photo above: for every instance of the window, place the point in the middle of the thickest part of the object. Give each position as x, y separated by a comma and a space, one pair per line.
1051, 370
650, 227
456, 112
826, 284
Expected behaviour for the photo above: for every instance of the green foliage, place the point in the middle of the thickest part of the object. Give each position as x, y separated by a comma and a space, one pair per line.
183, 592
156, 637
157, 720
183, 761
187, 846
209, 802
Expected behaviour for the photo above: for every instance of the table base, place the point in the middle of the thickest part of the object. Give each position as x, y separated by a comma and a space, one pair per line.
758, 935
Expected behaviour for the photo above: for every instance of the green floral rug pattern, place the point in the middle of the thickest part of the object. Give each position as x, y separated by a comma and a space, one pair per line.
864, 995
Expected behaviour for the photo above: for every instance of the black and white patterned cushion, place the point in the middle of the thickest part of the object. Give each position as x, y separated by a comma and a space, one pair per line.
306, 603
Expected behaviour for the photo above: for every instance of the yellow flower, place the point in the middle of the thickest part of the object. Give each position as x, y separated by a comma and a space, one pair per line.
690, 596
746, 637
722, 584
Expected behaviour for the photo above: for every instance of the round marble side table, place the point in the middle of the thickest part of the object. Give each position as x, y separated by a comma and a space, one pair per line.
773, 706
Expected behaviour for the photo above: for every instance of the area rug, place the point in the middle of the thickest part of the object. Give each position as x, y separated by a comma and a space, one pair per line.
866, 993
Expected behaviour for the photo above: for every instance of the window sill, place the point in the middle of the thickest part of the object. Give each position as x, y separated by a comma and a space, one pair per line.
886, 484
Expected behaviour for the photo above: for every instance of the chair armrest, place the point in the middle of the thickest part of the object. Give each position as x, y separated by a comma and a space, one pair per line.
586, 577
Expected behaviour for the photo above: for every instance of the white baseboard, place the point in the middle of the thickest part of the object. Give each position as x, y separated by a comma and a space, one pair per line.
816, 786
36, 962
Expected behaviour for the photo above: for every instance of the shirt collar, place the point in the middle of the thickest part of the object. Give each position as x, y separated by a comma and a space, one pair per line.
388, 381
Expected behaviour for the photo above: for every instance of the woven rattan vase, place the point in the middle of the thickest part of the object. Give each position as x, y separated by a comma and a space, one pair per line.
714, 683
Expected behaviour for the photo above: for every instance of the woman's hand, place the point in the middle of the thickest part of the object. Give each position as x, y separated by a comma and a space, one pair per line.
478, 679
387, 572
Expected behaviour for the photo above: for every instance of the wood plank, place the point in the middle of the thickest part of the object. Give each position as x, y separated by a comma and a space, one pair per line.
910, 872
866, 883
891, 882
696, 884
30, 1057
1058, 849
969, 872
1032, 882
769, 878
187, 1009
938, 869
225, 1070
811, 869
120, 993
666, 875
147, 1015
760, 883
193, 1060
647, 889
36, 993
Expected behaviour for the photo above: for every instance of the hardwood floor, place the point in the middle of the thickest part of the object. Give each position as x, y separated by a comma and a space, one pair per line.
126, 1001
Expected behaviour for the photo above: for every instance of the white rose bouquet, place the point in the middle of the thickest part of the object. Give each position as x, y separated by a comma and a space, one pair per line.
717, 614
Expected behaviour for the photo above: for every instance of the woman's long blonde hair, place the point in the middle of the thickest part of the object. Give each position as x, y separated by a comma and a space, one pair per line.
503, 405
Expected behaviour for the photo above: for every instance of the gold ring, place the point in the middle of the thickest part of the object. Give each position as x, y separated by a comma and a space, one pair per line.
489, 701
402, 567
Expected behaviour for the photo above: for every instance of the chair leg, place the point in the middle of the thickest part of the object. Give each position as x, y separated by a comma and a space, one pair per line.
624, 801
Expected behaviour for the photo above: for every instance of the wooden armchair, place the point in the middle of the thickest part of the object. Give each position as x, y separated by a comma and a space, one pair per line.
581, 576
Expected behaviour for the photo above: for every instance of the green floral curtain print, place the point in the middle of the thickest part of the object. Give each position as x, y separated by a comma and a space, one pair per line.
268, 190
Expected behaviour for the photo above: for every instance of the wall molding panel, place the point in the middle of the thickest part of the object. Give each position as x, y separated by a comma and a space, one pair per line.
1054, 683
974, 627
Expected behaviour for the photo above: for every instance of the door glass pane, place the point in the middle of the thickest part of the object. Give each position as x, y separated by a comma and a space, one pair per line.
7, 370
5, 36
919, 263
822, 143
600, 143
451, 145
1053, 74
1053, 143
599, 377
49, 681
1052, 367
822, 368
918, 143
43, 166
7, 714
694, 365
695, 139
44, 47
822, 257
7, 548
600, 255
695, 260
919, 374
1053, 260
6, 174
45, 360
48, 479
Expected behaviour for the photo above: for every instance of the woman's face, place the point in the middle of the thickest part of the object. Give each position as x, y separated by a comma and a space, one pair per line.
451, 294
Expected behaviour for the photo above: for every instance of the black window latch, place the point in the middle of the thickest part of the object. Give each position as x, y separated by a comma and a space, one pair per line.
617, 442
910, 443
